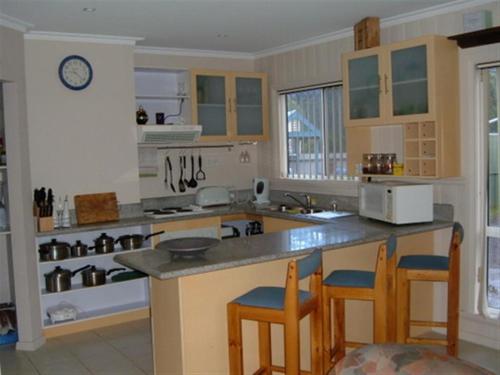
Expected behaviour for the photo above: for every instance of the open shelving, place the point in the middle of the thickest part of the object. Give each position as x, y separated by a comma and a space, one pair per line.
99, 305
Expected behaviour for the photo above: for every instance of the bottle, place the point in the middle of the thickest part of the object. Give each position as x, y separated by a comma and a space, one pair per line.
55, 216
66, 222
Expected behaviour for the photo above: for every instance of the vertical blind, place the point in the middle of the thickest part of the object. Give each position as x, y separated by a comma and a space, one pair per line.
315, 133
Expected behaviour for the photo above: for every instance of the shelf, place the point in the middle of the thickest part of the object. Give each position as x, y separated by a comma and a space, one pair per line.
477, 38
361, 88
90, 256
75, 288
409, 81
211, 105
4, 231
3, 167
87, 315
161, 97
248, 105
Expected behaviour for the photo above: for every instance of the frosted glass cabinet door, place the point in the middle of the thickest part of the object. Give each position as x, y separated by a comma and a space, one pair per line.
249, 119
364, 87
409, 81
211, 104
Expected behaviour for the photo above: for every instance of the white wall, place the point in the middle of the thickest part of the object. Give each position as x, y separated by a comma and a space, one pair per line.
83, 141
322, 63
221, 166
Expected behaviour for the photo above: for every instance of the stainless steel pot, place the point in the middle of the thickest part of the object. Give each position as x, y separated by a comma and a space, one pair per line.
79, 249
135, 241
103, 244
54, 250
97, 276
59, 279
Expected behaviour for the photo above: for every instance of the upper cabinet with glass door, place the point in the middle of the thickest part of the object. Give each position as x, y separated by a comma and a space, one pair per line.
231, 106
210, 104
412, 75
362, 87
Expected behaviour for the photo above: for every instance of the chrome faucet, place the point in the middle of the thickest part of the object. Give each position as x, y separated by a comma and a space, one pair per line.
307, 205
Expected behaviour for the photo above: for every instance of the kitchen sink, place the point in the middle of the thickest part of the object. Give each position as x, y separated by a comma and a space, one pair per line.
329, 214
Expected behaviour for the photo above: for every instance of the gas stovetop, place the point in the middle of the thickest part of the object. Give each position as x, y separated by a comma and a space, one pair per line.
176, 211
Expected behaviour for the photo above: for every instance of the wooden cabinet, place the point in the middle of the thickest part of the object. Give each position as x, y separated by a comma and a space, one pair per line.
272, 224
230, 106
412, 84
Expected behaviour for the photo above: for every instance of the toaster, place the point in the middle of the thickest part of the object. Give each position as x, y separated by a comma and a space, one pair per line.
212, 196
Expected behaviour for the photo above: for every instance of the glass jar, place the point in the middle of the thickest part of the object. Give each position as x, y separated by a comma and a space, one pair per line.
379, 163
389, 161
368, 163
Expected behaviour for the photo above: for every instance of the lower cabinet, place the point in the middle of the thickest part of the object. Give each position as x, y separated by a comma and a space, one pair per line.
272, 224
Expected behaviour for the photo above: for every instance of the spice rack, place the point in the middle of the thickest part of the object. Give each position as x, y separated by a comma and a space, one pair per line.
420, 149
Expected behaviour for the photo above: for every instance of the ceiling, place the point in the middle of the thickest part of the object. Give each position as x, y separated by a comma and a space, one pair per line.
249, 26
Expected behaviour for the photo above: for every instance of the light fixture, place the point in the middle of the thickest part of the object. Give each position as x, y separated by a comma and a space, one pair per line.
89, 10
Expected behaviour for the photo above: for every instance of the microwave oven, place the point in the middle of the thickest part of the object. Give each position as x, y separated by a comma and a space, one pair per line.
396, 202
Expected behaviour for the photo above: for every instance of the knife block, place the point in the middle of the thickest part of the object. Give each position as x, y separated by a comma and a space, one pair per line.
45, 224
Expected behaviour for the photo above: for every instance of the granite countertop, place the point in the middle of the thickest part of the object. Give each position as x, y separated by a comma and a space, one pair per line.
234, 252
147, 220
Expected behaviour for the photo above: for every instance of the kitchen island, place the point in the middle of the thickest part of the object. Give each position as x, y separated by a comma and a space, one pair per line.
189, 296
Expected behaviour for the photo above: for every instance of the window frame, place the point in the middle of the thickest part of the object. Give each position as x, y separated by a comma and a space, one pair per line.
482, 195
345, 183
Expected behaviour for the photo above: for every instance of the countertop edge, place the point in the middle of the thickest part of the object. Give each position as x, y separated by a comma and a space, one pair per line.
122, 258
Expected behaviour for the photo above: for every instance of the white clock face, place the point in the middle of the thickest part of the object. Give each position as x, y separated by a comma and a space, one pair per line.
75, 72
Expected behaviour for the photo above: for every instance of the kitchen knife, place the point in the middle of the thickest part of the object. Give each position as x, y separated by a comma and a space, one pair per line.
50, 202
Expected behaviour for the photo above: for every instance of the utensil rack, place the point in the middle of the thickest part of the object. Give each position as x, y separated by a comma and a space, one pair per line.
228, 146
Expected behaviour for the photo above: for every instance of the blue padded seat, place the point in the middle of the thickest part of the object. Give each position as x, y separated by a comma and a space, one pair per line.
268, 297
424, 262
351, 279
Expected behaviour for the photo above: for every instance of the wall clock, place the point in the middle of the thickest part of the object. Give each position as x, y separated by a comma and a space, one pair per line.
75, 72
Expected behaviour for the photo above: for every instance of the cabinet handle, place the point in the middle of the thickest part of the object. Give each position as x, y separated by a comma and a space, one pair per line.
229, 104
385, 83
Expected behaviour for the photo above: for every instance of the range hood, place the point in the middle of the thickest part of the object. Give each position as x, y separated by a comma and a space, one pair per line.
168, 133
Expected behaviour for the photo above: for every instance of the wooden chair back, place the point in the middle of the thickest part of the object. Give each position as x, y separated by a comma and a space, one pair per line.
310, 266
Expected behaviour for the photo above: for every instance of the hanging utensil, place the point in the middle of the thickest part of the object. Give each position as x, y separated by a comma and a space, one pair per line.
171, 175
192, 183
166, 173
186, 181
182, 187
200, 175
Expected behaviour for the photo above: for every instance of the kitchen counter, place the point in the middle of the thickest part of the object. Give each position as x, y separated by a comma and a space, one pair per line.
329, 235
145, 220
189, 296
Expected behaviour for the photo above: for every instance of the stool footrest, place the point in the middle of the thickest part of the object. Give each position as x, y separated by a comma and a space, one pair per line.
281, 369
428, 323
355, 344
426, 341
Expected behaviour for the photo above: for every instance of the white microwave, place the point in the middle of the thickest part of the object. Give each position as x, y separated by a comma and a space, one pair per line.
396, 202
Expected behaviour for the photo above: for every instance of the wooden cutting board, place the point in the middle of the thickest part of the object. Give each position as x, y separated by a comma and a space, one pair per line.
96, 208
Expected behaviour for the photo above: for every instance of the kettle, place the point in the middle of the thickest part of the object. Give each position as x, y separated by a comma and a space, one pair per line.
261, 190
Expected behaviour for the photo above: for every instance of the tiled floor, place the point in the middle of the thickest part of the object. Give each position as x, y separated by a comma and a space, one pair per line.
117, 350
126, 350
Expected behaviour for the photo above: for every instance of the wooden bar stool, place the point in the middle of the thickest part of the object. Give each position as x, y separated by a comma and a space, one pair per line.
378, 286
285, 306
431, 268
